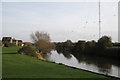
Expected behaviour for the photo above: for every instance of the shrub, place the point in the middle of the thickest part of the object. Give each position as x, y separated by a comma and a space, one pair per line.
104, 42
90, 47
28, 51
9, 45
79, 46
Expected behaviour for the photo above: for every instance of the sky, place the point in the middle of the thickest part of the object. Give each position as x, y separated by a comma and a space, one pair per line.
62, 20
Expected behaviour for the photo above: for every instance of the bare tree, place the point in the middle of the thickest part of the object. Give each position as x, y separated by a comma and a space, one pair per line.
42, 41
40, 36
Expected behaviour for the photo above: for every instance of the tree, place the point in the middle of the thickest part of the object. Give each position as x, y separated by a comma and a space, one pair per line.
40, 36
90, 46
79, 46
104, 42
68, 45
42, 41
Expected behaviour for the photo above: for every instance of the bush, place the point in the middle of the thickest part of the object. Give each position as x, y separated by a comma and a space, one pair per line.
104, 42
90, 47
112, 52
9, 45
116, 44
79, 47
28, 51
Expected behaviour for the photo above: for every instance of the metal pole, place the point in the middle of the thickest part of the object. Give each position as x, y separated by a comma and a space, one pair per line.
99, 20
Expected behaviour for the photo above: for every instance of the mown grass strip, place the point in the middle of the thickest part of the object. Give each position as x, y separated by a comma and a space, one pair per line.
22, 66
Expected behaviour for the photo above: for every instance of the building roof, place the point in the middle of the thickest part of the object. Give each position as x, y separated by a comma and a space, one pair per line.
14, 40
27, 43
6, 38
19, 40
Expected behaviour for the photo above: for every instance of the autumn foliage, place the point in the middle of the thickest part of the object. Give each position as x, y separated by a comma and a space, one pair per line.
42, 41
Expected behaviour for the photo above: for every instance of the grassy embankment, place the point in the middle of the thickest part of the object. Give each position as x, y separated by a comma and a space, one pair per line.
22, 66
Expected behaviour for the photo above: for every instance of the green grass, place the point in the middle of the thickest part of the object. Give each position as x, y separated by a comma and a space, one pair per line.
22, 66
10, 49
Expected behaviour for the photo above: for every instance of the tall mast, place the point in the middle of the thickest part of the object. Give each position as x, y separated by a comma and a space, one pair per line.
99, 20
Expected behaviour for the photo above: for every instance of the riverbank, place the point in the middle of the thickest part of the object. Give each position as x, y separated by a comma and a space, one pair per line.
103, 47
22, 66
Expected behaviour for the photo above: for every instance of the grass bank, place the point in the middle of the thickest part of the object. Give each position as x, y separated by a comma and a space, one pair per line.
10, 50
22, 66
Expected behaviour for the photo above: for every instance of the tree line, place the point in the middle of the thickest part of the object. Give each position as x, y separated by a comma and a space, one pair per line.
43, 44
103, 47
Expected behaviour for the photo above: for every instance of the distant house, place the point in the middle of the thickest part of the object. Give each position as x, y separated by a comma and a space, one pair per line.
27, 44
15, 42
7, 40
10, 40
20, 42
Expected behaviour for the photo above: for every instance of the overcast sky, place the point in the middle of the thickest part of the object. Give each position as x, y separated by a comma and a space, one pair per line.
62, 20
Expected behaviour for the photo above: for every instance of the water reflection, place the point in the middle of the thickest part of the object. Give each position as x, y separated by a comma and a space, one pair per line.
103, 64
65, 53
87, 62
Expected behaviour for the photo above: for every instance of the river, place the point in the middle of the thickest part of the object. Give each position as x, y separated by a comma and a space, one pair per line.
91, 63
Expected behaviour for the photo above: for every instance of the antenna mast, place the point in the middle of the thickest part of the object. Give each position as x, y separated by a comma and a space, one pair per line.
99, 20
